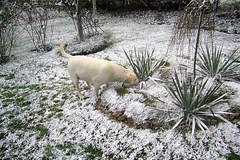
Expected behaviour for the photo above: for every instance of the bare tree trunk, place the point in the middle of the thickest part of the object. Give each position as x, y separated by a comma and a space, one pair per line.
79, 20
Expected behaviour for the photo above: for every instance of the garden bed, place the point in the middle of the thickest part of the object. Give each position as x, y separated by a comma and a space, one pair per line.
42, 116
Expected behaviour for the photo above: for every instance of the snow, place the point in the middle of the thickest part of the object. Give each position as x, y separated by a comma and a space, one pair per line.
81, 124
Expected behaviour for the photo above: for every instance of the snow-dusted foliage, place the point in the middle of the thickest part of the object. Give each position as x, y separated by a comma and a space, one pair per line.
42, 117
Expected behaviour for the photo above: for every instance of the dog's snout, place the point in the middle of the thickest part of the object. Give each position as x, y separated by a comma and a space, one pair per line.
135, 82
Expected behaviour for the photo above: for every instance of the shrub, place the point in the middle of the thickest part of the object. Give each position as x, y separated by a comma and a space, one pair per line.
35, 20
212, 63
7, 31
143, 63
196, 99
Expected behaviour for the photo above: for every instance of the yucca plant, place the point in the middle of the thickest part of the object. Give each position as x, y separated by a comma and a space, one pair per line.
196, 99
212, 63
143, 63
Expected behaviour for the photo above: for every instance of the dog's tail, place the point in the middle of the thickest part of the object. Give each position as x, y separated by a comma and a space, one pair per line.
64, 54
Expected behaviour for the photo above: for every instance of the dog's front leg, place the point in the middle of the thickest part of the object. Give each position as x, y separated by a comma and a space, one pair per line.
96, 88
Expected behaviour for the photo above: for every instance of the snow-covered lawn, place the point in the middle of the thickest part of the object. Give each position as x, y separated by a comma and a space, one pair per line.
42, 117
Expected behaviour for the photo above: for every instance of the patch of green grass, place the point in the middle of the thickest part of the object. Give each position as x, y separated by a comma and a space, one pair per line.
233, 156
9, 114
56, 101
17, 94
55, 109
67, 147
36, 87
55, 115
41, 112
17, 124
33, 87
43, 131
149, 102
7, 94
59, 115
63, 129
7, 101
2, 150
44, 98
65, 78
48, 152
2, 135
93, 152
55, 112
1, 119
54, 96
8, 76
121, 91
21, 102
51, 115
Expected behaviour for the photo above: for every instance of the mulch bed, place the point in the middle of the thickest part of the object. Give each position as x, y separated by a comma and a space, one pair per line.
119, 116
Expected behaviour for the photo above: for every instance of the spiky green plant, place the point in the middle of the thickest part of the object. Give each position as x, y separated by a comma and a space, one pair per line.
212, 63
143, 63
196, 99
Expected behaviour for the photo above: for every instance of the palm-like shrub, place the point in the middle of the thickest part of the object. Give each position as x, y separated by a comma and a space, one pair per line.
212, 63
143, 63
196, 99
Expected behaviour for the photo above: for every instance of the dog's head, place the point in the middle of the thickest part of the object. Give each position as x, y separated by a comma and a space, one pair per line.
131, 77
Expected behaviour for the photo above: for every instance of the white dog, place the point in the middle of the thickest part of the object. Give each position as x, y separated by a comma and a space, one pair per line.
96, 71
